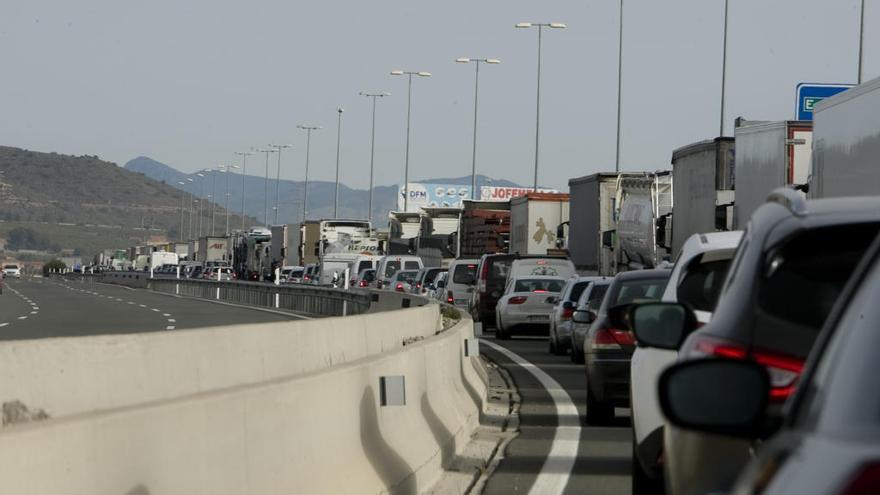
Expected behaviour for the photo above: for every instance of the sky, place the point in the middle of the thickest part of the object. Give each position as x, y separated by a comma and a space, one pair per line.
188, 83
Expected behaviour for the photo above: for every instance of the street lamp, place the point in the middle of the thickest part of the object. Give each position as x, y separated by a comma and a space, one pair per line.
861, 39
278, 147
476, 62
189, 231
199, 202
409, 74
308, 129
372, 96
225, 169
338, 138
723, 70
244, 155
266, 194
182, 195
540, 26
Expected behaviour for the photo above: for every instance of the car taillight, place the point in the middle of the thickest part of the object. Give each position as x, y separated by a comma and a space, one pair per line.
362, 283
567, 313
539, 291
418, 285
450, 299
399, 287
612, 339
783, 370
484, 275
517, 299
866, 480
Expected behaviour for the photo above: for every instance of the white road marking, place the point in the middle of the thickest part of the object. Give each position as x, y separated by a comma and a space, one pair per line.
34, 312
556, 471
166, 315
22, 317
172, 320
130, 302
156, 310
142, 305
169, 327
3, 324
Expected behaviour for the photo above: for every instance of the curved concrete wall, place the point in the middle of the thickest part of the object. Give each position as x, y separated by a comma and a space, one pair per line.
321, 432
67, 376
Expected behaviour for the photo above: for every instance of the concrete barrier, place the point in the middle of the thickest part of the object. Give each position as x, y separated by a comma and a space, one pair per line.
67, 376
319, 432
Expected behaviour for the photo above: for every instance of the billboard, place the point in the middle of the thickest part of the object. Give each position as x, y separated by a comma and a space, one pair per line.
499, 193
432, 195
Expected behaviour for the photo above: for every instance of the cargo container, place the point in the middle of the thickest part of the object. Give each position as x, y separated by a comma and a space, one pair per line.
213, 249
484, 228
438, 228
644, 208
846, 144
403, 230
534, 221
769, 155
277, 250
703, 174
592, 222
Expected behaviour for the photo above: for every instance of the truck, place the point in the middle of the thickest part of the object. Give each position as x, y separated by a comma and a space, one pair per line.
846, 143
318, 237
278, 249
644, 210
535, 219
483, 228
435, 243
769, 155
703, 174
213, 250
159, 258
250, 255
592, 223
403, 230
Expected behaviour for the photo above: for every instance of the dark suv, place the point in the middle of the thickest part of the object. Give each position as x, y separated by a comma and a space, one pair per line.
792, 263
491, 278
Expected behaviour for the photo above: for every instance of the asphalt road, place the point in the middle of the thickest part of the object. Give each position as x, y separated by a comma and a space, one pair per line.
41, 308
556, 452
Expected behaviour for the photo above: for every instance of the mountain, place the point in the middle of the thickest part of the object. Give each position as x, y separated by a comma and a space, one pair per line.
352, 202
87, 204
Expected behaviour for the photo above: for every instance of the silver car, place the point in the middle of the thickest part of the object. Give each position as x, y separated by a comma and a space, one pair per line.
560, 318
590, 300
527, 300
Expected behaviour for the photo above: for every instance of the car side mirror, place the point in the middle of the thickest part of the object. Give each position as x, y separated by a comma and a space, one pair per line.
661, 325
583, 316
722, 396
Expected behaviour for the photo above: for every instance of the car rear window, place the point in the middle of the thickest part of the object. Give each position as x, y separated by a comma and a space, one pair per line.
411, 265
364, 265
406, 276
431, 276
597, 293
391, 268
464, 274
638, 291
702, 283
538, 284
498, 270
803, 277
577, 290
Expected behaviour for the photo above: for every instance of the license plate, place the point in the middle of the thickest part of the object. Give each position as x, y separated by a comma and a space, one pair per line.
539, 317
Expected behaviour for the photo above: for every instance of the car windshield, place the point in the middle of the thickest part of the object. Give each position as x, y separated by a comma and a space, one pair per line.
538, 285
411, 265
464, 274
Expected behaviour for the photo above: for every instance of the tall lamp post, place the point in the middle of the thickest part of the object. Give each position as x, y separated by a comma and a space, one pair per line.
225, 169
476, 62
409, 74
189, 231
338, 141
723, 70
200, 201
308, 129
266, 193
540, 26
244, 155
861, 39
373, 97
182, 195
278, 147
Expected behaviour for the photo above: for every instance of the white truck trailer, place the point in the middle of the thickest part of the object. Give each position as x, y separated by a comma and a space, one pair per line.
769, 155
592, 222
213, 250
534, 219
644, 210
846, 145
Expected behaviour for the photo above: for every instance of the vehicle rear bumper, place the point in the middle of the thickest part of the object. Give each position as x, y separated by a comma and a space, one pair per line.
608, 376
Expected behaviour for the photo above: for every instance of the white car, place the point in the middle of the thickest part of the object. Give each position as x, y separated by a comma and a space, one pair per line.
695, 281
460, 282
12, 271
402, 281
527, 300
590, 300
560, 318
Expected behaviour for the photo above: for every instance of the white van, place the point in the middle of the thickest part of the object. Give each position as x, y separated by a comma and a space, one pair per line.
550, 267
333, 265
461, 281
393, 263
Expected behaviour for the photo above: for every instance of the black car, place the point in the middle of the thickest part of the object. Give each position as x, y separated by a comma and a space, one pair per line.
609, 344
793, 261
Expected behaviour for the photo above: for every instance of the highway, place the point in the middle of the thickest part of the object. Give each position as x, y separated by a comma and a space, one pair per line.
556, 452
42, 308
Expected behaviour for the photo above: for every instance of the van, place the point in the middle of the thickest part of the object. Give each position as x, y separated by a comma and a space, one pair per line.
391, 264
333, 266
460, 282
549, 267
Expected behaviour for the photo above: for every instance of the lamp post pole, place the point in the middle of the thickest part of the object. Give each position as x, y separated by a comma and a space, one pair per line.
409, 74
373, 97
540, 26
278, 147
244, 155
476, 62
266, 192
338, 141
308, 129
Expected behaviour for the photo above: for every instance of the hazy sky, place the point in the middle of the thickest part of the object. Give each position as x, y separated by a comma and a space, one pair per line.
189, 82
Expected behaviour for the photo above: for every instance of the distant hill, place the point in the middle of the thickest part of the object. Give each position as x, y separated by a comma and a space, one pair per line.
352, 202
86, 204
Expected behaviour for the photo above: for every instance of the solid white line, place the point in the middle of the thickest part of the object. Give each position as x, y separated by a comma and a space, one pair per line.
169, 327
22, 317
556, 470
3, 324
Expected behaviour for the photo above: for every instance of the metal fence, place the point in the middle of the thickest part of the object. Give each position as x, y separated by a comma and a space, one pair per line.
310, 300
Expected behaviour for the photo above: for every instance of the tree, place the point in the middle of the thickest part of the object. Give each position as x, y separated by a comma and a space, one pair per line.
54, 266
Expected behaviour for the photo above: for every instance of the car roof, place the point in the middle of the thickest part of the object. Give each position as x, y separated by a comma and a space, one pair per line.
643, 274
537, 277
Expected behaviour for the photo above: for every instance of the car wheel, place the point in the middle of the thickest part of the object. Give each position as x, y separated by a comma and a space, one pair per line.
598, 413
553, 345
642, 484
